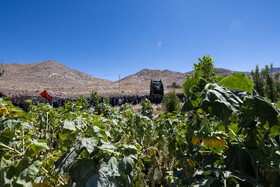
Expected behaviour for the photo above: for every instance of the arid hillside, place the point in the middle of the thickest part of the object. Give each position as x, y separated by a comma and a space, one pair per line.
142, 78
58, 79
62, 81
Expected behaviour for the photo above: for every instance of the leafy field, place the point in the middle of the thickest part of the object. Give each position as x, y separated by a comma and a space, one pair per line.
218, 139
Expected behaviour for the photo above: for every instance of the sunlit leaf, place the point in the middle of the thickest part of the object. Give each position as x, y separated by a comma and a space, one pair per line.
238, 81
70, 125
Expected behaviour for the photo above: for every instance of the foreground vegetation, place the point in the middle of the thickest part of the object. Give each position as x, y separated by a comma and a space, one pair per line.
218, 139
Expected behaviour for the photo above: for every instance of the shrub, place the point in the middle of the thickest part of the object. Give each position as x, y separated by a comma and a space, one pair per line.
82, 101
175, 85
147, 108
95, 99
171, 102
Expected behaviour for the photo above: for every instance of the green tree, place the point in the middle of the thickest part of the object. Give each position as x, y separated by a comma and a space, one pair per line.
258, 81
267, 83
94, 97
171, 102
206, 66
272, 85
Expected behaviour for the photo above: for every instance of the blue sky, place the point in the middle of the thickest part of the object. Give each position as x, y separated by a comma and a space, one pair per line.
105, 38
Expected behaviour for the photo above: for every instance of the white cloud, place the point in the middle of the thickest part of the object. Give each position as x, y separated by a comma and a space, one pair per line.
159, 44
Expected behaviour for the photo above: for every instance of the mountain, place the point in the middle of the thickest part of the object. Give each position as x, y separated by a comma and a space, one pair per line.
62, 81
145, 75
58, 79
168, 77
45, 72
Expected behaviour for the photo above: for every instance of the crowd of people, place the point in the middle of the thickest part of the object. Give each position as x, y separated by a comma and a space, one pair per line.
114, 101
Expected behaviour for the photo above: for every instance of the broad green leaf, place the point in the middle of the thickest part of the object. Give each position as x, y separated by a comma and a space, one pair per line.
220, 78
277, 105
113, 169
204, 182
221, 101
6, 136
106, 146
98, 180
27, 176
26, 125
11, 123
5, 178
88, 143
70, 125
189, 84
191, 103
274, 131
83, 169
63, 164
36, 146
259, 107
126, 166
238, 81
240, 176
63, 136
240, 159
7, 174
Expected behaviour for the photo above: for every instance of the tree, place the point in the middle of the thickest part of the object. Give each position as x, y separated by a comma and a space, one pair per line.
206, 66
171, 102
258, 81
267, 83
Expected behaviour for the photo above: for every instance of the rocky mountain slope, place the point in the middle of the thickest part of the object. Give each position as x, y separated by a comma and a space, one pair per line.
144, 76
62, 81
58, 79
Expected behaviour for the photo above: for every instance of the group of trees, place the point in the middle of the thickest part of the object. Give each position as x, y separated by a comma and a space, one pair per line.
267, 82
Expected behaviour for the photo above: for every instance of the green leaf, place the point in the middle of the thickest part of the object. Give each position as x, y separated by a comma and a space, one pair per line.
106, 146
220, 78
88, 143
11, 123
126, 165
82, 169
63, 136
189, 84
238, 81
6, 136
204, 182
274, 131
240, 176
98, 180
64, 163
70, 125
240, 159
7, 172
113, 169
29, 173
278, 105
221, 101
26, 126
259, 107
36, 146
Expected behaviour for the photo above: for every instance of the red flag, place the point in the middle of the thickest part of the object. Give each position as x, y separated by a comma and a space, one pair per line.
46, 95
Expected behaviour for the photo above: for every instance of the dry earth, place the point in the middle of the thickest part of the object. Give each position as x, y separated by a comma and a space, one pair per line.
62, 81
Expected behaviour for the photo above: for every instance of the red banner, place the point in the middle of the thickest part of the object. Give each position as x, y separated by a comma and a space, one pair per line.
46, 95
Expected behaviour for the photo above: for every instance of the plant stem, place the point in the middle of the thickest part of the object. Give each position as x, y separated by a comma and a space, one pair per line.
47, 172
12, 149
